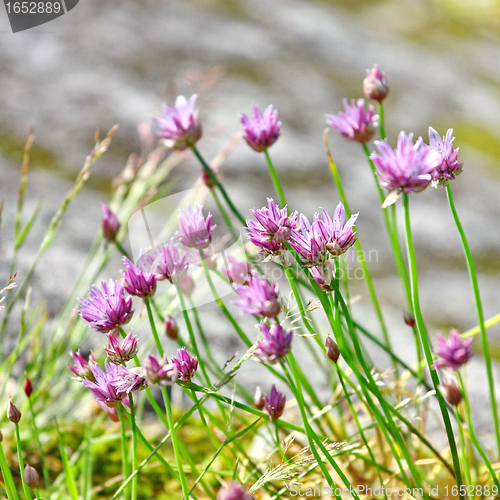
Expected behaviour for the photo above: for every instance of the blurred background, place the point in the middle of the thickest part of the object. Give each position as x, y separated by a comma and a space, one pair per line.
117, 62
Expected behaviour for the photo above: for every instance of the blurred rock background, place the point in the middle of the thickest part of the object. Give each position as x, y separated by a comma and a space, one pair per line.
106, 62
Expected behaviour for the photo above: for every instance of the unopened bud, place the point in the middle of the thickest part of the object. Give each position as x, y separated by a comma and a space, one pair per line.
109, 223
375, 85
258, 399
452, 392
207, 180
13, 414
28, 389
332, 349
31, 476
187, 285
171, 328
409, 319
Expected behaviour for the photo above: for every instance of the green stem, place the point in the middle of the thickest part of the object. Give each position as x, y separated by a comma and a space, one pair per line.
7, 476
480, 315
358, 425
125, 465
166, 400
472, 433
153, 327
426, 345
134, 447
311, 435
361, 256
463, 449
382, 120
219, 185
275, 179
45, 469
175, 444
21, 463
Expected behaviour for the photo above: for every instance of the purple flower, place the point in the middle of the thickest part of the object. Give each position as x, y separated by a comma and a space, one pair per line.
452, 352
272, 228
109, 223
407, 168
119, 354
356, 123
323, 275
180, 126
165, 262
185, 363
261, 131
137, 282
274, 403
275, 343
324, 239
195, 230
259, 297
375, 85
83, 367
234, 492
237, 271
449, 167
187, 285
107, 308
114, 384
160, 371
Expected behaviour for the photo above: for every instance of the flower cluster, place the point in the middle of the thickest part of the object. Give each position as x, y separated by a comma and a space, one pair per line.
449, 167
325, 238
274, 404
272, 228
111, 386
408, 168
259, 297
356, 123
261, 130
453, 352
275, 343
194, 230
107, 308
180, 126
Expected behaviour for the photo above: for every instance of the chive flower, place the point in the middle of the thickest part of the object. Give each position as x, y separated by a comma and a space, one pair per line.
180, 127
274, 404
106, 308
261, 131
452, 352
375, 84
449, 167
194, 230
356, 123
259, 297
275, 343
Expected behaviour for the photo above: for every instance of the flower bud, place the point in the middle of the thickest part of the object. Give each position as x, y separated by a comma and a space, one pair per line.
375, 85
171, 328
409, 319
207, 180
13, 414
187, 285
332, 349
452, 392
109, 223
31, 476
28, 389
258, 399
